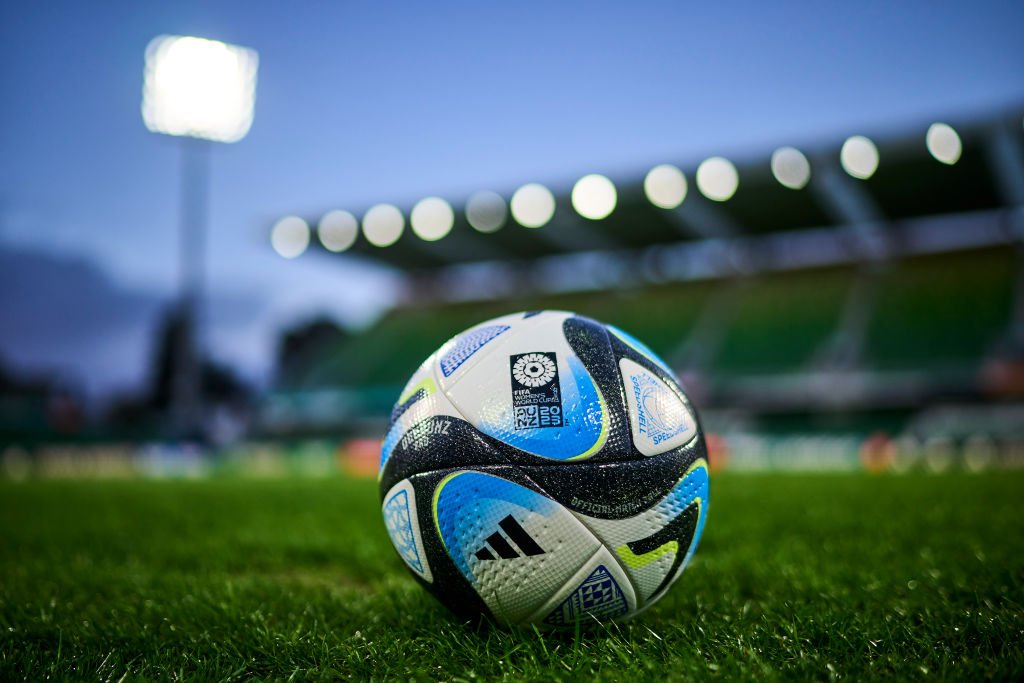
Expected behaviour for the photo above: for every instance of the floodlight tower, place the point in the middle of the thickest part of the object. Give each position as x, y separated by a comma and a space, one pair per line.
199, 91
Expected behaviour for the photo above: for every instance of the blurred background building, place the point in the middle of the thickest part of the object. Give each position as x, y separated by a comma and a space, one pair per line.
816, 218
820, 293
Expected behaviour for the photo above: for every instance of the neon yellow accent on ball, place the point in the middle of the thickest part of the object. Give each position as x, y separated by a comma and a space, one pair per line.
697, 464
637, 561
604, 428
427, 384
631, 345
437, 494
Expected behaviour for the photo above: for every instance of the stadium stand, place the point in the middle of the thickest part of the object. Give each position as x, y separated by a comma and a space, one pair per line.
942, 311
853, 302
780, 322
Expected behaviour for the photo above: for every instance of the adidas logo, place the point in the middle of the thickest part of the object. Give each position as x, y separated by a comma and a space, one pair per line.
500, 544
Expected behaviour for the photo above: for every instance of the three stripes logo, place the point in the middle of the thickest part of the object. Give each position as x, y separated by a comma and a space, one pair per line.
499, 544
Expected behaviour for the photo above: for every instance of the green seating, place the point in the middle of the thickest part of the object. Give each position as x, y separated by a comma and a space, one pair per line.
942, 311
388, 352
779, 321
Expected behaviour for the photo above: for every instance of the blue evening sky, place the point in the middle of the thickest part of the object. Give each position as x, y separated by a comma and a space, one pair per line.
381, 101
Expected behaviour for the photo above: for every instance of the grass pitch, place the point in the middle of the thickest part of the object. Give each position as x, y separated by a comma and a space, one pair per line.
797, 577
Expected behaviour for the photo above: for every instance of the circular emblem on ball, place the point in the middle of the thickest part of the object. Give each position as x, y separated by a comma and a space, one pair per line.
533, 370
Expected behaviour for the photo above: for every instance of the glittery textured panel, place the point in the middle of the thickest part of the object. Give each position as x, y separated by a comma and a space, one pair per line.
590, 342
615, 490
433, 449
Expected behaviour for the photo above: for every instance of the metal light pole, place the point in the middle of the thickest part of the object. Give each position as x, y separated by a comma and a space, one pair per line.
186, 388
202, 91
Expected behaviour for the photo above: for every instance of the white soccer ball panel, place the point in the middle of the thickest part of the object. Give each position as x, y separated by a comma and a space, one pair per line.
528, 388
658, 418
403, 526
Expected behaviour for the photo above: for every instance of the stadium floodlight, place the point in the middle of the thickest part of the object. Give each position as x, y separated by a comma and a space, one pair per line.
199, 88
290, 236
533, 205
791, 168
943, 143
383, 225
665, 186
594, 197
432, 218
859, 157
717, 179
486, 211
337, 230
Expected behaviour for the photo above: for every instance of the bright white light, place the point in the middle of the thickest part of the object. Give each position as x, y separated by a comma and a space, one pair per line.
486, 211
717, 179
938, 453
665, 186
432, 218
979, 452
337, 230
944, 143
290, 236
859, 157
791, 168
533, 205
199, 88
383, 225
594, 197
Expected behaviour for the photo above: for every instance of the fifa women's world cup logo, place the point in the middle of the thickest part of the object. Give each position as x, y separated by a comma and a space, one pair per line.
536, 393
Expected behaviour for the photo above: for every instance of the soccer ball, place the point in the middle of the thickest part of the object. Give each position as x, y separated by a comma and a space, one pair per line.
543, 468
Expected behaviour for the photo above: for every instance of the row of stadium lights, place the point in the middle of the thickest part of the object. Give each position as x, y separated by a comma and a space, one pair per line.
593, 196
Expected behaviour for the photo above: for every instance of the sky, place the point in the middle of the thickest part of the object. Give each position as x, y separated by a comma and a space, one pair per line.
359, 103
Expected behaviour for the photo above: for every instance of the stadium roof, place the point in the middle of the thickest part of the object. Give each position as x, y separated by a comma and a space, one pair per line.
928, 170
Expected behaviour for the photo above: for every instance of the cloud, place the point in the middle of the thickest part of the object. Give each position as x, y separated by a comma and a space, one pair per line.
63, 316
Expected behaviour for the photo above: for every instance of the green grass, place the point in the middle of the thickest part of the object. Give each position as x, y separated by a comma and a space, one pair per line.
797, 577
